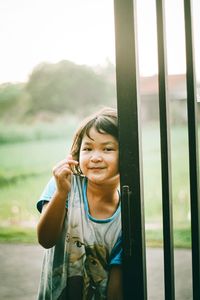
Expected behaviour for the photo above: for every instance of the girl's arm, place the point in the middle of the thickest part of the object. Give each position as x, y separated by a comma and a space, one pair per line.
114, 291
51, 221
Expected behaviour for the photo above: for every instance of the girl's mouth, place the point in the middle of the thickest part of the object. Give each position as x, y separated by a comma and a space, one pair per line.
96, 168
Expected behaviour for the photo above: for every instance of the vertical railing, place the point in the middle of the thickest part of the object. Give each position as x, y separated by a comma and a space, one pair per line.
127, 74
134, 262
193, 150
165, 154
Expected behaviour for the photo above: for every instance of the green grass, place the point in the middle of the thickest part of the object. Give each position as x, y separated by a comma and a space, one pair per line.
179, 172
154, 238
182, 238
31, 158
19, 133
25, 168
18, 235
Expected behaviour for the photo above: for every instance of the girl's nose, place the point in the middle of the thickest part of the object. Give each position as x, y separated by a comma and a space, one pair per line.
96, 157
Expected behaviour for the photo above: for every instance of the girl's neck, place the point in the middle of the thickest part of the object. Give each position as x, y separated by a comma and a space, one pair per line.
102, 201
102, 192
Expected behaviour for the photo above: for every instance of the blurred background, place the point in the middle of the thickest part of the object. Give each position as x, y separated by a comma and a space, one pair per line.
57, 65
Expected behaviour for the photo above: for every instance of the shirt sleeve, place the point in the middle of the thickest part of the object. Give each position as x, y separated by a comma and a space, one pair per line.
47, 193
116, 254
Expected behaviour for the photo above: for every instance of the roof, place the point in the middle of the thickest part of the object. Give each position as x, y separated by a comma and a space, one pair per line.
176, 85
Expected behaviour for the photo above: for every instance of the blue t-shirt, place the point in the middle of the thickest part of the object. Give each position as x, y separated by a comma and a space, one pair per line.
86, 249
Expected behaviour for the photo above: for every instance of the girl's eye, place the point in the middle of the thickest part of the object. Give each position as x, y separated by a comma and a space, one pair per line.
108, 149
87, 149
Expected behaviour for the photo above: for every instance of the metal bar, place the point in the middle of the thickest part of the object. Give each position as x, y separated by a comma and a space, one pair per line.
127, 224
193, 150
134, 261
165, 156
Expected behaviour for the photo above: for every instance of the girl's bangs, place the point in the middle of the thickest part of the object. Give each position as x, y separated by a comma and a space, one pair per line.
102, 125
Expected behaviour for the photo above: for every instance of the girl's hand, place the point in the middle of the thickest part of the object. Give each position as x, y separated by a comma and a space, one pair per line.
62, 173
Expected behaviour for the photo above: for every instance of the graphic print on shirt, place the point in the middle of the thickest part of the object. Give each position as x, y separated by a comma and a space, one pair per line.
86, 260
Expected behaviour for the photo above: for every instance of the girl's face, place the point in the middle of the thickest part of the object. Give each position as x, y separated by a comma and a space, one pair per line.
99, 157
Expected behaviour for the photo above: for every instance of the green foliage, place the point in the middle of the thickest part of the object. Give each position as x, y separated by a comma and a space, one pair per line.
13, 101
54, 89
67, 86
9, 93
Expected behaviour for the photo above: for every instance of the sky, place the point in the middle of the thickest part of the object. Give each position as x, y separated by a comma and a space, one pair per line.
82, 31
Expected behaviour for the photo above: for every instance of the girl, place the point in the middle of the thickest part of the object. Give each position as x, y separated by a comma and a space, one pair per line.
80, 224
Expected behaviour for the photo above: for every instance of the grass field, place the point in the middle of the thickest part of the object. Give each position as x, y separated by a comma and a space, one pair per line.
25, 168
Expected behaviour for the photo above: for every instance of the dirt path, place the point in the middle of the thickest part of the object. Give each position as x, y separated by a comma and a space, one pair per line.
20, 267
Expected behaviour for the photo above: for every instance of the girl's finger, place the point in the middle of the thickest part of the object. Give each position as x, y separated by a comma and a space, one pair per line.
56, 170
65, 162
72, 162
63, 171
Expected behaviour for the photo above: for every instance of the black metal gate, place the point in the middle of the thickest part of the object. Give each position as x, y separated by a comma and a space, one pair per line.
134, 264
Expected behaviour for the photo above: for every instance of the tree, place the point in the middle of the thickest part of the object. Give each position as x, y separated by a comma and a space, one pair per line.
66, 86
